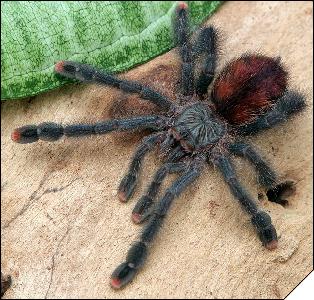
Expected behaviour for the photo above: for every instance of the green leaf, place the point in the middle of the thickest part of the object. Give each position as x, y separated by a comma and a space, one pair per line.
112, 35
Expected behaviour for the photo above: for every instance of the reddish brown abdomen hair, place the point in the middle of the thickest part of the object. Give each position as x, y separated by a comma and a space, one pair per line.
247, 86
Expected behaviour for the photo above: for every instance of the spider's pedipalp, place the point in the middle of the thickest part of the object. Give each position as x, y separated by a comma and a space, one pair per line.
288, 105
206, 44
87, 73
260, 219
266, 175
181, 34
142, 208
128, 183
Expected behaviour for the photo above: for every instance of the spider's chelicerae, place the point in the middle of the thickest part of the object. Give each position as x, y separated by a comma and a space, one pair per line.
198, 128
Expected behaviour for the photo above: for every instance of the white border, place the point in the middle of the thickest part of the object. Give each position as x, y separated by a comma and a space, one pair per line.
304, 289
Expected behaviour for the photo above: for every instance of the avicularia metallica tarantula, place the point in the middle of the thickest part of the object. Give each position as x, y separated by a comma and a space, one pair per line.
248, 96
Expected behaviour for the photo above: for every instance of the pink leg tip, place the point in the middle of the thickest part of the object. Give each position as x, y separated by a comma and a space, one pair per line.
115, 283
182, 5
136, 218
272, 245
15, 135
59, 66
122, 196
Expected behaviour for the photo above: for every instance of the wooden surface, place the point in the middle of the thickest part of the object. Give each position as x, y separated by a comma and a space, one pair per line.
64, 231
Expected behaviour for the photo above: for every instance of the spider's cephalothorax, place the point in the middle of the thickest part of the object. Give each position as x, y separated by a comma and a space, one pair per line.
249, 95
197, 127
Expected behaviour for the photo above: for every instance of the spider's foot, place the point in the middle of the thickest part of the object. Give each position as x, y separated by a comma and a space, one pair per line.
142, 210
182, 5
24, 135
280, 192
6, 282
268, 236
59, 66
75, 70
47, 131
125, 272
139, 218
266, 231
122, 275
126, 187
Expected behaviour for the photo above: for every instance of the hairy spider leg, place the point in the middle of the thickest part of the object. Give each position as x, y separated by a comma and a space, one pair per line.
288, 105
260, 219
128, 183
181, 33
137, 254
266, 175
51, 132
206, 44
143, 207
87, 73
175, 154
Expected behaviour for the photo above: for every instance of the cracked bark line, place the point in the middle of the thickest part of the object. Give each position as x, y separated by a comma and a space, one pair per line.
33, 198
69, 228
53, 259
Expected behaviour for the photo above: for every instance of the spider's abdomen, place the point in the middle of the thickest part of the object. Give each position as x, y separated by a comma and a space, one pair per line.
197, 127
247, 86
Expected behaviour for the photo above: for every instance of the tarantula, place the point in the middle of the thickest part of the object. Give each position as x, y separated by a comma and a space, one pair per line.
249, 95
